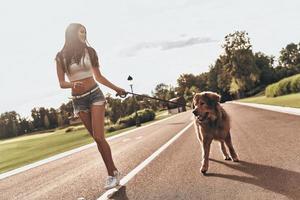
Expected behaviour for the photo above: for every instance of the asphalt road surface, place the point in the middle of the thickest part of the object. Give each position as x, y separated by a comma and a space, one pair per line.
267, 143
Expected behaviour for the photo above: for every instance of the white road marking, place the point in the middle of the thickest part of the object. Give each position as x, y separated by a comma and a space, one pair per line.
288, 110
142, 165
70, 152
139, 137
126, 139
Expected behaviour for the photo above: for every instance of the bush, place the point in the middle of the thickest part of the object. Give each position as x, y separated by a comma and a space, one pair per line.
70, 129
143, 116
295, 84
146, 115
115, 127
285, 86
124, 122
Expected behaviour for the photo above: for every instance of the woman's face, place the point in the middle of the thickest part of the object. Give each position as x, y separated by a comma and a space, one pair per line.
82, 34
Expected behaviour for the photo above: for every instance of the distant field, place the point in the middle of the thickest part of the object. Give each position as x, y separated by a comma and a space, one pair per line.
291, 100
23, 150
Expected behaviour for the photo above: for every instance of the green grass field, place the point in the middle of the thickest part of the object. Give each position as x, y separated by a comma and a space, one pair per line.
23, 150
291, 100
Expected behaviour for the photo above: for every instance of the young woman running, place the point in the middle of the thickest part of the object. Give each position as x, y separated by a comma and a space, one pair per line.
80, 63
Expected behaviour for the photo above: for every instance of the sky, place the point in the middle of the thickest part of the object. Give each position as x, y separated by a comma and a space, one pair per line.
154, 41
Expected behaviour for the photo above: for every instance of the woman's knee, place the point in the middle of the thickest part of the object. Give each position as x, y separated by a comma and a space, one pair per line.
99, 139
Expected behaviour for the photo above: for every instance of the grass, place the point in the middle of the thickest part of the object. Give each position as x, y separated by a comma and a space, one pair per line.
23, 150
291, 100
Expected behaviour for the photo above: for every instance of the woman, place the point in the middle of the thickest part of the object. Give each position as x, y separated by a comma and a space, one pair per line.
80, 63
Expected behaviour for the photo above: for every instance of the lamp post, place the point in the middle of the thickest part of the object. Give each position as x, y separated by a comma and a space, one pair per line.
137, 121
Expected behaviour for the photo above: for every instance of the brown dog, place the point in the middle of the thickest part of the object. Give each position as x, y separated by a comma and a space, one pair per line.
212, 122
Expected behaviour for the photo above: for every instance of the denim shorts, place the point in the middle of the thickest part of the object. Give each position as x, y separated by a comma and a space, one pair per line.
84, 103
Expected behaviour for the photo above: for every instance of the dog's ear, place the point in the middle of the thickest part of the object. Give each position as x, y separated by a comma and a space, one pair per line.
196, 99
211, 98
214, 96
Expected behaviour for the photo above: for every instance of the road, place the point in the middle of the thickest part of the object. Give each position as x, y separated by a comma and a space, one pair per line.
267, 143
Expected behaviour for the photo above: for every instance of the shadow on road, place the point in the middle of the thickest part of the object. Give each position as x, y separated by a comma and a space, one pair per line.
120, 194
275, 179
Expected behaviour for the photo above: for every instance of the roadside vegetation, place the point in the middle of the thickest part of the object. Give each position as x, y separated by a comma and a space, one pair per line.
282, 93
291, 100
26, 149
283, 87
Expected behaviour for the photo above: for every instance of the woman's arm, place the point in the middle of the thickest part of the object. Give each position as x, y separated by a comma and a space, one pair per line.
61, 76
101, 79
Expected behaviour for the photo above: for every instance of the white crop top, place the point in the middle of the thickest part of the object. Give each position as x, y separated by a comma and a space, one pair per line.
81, 70
84, 68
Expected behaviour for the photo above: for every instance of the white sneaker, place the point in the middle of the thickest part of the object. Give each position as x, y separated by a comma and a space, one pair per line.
117, 174
112, 181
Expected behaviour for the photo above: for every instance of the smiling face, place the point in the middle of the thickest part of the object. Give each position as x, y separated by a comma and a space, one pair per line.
82, 34
205, 106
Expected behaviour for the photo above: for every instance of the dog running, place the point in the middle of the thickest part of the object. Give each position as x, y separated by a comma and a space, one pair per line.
212, 123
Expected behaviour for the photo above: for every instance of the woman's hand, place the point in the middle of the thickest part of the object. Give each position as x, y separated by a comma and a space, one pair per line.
120, 92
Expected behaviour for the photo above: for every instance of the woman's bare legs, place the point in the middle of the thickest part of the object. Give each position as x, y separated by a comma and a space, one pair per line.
97, 115
87, 121
94, 122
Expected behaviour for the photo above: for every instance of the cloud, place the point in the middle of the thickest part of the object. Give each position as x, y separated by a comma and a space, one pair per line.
166, 45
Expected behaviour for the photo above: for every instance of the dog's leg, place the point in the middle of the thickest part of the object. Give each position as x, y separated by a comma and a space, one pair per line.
223, 149
205, 154
231, 149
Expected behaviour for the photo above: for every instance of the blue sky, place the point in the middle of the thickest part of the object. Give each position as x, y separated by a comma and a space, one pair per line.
153, 41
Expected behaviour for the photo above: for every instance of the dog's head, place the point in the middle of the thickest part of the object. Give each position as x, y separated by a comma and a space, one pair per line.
205, 106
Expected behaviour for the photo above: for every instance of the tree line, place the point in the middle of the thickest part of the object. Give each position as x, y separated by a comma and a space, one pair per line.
43, 119
238, 72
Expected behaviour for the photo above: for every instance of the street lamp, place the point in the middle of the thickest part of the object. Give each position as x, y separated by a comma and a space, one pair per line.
137, 121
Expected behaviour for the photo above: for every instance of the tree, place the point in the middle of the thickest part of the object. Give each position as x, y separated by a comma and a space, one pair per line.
165, 92
25, 126
66, 111
52, 115
59, 119
219, 79
43, 112
212, 78
236, 41
185, 81
46, 122
9, 124
115, 109
241, 63
161, 91
35, 114
265, 65
201, 82
290, 55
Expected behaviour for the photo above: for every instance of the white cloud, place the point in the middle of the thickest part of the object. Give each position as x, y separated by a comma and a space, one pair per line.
166, 45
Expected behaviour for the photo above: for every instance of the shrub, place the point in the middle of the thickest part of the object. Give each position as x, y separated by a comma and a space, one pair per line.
285, 86
70, 129
114, 127
143, 116
130, 120
146, 115
295, 84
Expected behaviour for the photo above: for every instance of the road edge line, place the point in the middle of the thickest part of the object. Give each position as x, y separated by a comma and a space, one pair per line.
142, 165
281, 109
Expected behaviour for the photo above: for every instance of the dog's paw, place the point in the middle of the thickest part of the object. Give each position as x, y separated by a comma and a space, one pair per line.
235, 159
227, 158
203, 170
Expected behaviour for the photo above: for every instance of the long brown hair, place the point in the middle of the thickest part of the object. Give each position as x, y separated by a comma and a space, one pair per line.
74, 48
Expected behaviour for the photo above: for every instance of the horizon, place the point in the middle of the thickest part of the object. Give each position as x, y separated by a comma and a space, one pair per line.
152, 42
